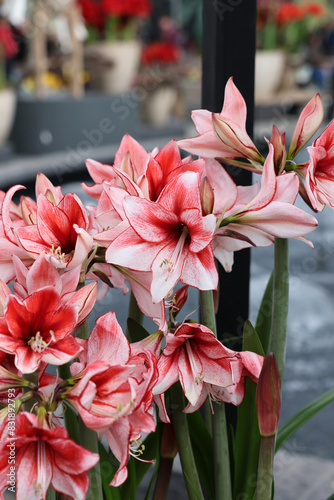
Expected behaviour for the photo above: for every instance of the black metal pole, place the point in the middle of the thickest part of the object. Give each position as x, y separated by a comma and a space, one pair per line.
229, 31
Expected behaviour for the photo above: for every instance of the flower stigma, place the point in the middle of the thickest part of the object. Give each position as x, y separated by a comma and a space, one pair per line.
38, 344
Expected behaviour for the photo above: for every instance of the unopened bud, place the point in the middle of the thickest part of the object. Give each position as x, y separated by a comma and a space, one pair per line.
207, 197
268, 397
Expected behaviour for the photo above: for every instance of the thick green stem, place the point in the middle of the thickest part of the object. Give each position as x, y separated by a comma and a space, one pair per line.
208, 317
265, 469
184, 444
280, 303
223, 486
88, 439
71, 418
31, 377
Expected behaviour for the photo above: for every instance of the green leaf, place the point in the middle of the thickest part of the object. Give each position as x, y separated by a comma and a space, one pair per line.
108, 470
263, 322
136, 331
251, 340
247, 435
302, 416
201, 442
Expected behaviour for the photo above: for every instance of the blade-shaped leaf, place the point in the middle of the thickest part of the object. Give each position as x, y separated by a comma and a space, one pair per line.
263, 322
247, 435
203, 452
136, 331
302, 416
107, 473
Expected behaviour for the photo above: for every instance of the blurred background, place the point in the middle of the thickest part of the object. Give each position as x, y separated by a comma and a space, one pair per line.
76, 75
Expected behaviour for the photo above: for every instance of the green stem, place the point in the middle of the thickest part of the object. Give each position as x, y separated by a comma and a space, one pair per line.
71, 419
265, 468
223, 486
31, 377
280, 303
83, 331
88, 439
184, 444
208, 317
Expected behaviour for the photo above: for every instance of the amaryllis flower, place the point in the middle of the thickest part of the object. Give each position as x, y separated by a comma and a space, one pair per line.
60, 231
319, 170
170, 237
44, 456
130, 158
42, 273
113, 393
38, 329
257, 216
223, 135
199, 361
103, 392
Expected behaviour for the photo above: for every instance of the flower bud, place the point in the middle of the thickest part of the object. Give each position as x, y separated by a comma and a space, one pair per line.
207, 197
308, 123
268, 397
278, 141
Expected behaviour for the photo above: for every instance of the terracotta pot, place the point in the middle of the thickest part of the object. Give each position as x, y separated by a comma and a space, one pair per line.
113, 66
7, 113
269, 71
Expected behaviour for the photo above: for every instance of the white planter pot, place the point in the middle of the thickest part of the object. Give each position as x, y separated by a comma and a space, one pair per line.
113, 66
159, 105
269, 71
7, 113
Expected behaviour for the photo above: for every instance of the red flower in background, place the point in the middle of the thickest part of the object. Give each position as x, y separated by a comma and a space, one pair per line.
160, 53
289, 12
128, 8
92, 12
8, 43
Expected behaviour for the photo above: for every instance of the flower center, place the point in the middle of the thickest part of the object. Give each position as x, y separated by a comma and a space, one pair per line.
57, 252
38, 344
170, 265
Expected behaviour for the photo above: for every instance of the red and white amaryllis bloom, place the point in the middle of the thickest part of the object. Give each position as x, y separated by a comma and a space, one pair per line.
44, 456
199, 361
38, 329
256, 216
60, 231
42, 273
169, 237
319, 170
223, 135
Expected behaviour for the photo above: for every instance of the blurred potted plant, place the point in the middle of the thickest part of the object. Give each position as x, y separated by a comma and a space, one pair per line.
282, 28
162, 59
8, 49
113, 50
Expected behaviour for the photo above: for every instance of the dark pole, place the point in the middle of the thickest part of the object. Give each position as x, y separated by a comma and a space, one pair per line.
229, 30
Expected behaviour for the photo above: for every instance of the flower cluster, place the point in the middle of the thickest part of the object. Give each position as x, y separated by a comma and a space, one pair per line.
288, 24
112, 18
158, 219
161, 53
